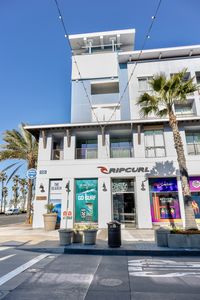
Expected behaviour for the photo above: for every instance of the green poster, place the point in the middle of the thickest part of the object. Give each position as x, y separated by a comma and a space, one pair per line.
86, 200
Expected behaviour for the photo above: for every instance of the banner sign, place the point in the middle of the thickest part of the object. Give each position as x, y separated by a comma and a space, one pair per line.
55, 196
195, 184
86, 200
163, 185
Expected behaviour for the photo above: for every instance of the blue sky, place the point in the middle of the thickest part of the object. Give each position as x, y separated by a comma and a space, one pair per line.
35, 63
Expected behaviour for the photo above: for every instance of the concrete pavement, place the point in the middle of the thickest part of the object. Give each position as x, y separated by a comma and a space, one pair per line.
134, 242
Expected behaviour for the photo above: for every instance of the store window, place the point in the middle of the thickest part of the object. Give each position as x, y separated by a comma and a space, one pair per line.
154, 143
164, 199
86, 201
193, 142
55, 196
195, 193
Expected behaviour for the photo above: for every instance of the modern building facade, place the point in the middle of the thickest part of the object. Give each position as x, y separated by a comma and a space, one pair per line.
109, 163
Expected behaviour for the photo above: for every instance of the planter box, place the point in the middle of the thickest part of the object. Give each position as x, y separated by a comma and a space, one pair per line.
77, 236
90, 236
50, 221
184, 240
65, 236
161, 237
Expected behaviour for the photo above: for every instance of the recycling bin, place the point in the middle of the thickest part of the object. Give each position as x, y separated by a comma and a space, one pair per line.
114, 234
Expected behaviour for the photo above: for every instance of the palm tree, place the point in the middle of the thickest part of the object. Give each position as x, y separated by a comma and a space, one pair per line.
3, 178
15, 189
21, 145
166, 93
23, 189
5, 195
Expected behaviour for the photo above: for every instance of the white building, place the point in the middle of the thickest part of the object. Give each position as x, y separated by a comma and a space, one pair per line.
108, 163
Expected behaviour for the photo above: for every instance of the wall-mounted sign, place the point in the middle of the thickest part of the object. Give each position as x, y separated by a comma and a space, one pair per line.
55, 196
106, 170
42, 172
86, 200
31, 173
56, 186
67, 214
41, 198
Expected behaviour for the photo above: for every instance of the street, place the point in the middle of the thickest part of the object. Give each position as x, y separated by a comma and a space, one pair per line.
12, 219
89, 277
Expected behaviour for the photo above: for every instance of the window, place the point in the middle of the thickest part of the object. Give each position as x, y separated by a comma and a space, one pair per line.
154, 143
121, 147
109, 87
57, 148
193, 143
144, 85
106, 112
197, 74
86, 148
186, 77
184, 108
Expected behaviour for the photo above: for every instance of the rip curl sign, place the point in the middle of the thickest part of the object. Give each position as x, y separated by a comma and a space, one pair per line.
106, 170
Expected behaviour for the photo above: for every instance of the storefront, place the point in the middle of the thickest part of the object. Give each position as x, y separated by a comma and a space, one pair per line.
195, 193
123, 201
164, 200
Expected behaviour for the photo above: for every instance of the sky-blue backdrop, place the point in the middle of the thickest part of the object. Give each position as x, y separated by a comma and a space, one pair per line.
35, 62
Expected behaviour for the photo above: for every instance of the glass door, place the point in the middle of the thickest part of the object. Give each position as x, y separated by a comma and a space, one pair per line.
124, 201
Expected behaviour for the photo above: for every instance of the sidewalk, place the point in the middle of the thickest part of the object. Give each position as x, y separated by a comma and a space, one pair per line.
134, 242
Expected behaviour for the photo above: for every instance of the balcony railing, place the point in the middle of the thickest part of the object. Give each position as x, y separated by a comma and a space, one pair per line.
158, 151
117, 152
193, 149
57, 154
86, 153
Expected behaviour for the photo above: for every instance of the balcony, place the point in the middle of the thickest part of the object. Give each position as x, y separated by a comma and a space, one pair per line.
193, 149
158, 151
86, 153
57, 154
121, 152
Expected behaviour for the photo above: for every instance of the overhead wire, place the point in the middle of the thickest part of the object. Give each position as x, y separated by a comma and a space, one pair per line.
147, 36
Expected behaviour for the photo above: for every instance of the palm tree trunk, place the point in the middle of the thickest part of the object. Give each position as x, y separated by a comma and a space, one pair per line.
190, 222
1, 196
29, 201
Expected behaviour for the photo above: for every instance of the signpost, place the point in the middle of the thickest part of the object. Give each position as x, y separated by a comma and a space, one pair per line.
31, 173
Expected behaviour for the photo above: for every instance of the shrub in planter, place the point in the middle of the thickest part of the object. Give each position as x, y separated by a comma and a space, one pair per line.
65, 236
179, 238
90, 235
78, 233
50, 217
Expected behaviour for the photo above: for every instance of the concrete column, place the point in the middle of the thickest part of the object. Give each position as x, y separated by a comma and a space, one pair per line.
104, 151
41, 199
45, 153
104, 202
143, 208
69, 152
181, 201
67, 221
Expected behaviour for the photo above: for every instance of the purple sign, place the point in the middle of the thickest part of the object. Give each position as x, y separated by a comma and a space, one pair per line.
195, 184
163, 185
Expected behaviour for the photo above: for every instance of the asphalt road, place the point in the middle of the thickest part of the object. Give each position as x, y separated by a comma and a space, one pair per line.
12, 219
89, 277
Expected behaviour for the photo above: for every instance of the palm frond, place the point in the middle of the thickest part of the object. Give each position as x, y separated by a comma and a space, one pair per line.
13, 173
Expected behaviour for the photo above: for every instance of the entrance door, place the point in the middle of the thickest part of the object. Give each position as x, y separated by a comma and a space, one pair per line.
124, 202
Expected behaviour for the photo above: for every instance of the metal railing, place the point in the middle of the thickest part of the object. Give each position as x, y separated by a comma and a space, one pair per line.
86, 153
117, 152
158, 151
57, 154
193, 149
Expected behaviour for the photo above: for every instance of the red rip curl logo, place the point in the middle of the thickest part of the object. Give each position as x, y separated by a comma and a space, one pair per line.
103, 170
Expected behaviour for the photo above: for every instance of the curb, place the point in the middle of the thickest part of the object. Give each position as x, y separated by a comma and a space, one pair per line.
115, 251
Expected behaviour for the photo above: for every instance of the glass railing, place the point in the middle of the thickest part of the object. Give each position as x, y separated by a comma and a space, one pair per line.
86, 153
158, 151
193, 149
57, 154
116, 152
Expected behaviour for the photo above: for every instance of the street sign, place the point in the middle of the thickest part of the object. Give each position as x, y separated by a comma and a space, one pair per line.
31, 173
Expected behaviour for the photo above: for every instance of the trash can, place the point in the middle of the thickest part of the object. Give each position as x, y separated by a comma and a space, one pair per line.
114, 234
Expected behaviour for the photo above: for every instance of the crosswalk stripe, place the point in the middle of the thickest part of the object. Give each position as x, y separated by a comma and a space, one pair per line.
5, 248
22, 268
6, 257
